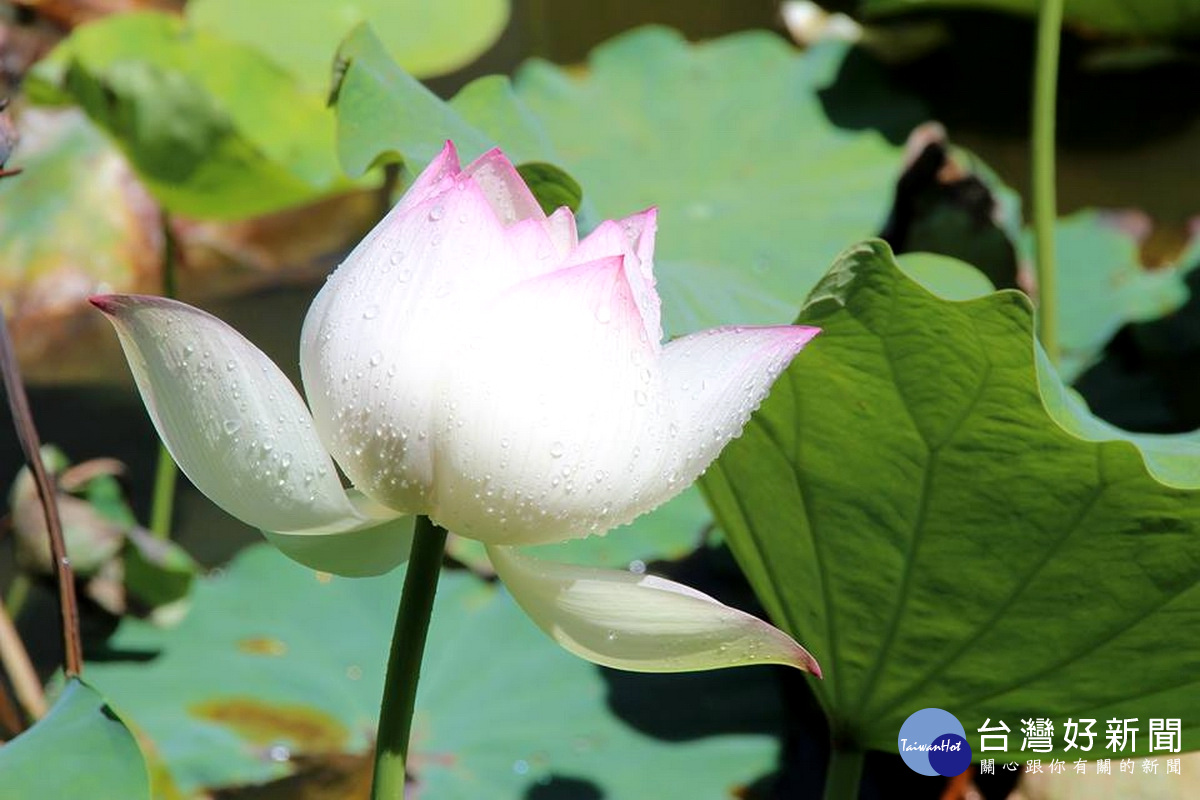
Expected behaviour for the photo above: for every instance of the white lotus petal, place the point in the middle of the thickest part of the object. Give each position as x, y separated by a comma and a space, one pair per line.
715, 379
563, 231
373, 344
504, 188
372, 548
632, 237
433, 179
548, 413
231, 420
641, 623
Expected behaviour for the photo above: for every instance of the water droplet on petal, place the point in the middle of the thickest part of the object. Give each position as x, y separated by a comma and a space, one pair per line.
371, 312
557, 449
436, 213
232, 426
376, 358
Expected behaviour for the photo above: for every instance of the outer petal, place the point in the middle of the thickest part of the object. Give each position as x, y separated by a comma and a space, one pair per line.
232, 421
641, 623
715, 379
373, 548
374, 339
434, 179
547, 417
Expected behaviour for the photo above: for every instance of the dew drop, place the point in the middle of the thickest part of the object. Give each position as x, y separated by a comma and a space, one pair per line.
436, 213
232, 426
557, 449
640, 397
376, 358
371, 312
230, 365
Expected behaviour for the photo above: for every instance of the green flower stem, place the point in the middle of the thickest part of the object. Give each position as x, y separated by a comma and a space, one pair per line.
845, 771
1045, 90
166, 474
163, 506
404, 662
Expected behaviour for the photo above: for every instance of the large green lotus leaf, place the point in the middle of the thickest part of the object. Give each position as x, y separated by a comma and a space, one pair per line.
214, 128
924, 505
425, 38
275, 659
1102, 286
757, 188
81, 748
1145, 17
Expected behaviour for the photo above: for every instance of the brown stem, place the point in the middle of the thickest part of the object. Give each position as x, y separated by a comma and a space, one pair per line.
27, 433
20, 669
10, 720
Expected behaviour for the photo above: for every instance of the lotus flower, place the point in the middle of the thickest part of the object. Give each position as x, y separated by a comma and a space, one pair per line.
474, 361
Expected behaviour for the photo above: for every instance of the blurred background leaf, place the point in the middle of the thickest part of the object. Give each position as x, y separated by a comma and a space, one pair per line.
277, 668
427, 39
213, 127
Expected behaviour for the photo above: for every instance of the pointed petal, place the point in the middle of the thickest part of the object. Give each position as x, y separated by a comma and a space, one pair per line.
504, 188
434, 178
715, 379
543, 418
563, 231
231, 420
641, 623
633, 238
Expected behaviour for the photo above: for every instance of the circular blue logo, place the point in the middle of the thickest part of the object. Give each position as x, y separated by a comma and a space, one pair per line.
934, 742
